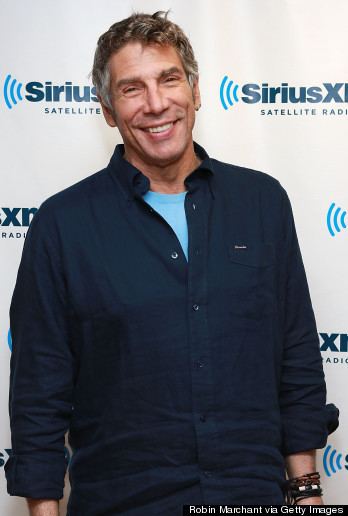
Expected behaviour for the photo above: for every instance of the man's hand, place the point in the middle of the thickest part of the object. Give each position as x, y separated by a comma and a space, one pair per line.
43, 507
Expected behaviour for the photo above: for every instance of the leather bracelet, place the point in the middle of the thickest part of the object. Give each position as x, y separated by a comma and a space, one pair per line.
304, 486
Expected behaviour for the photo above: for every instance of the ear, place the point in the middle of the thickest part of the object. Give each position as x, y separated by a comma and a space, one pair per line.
196, 95
108, 114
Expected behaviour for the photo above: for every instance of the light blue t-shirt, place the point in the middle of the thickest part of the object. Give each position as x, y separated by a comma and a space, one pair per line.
172, 209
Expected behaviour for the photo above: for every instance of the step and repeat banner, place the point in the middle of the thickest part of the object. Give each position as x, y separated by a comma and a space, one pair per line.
274, 84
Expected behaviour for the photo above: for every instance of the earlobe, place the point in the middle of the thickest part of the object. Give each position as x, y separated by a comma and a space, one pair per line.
196, 95
197, 102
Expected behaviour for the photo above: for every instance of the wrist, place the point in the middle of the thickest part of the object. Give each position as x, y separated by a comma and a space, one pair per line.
314, 500
304, 490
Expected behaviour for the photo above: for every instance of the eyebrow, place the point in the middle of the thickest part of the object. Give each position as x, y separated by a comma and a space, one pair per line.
132, 80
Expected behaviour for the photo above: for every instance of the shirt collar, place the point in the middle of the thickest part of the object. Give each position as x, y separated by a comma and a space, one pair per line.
134, 183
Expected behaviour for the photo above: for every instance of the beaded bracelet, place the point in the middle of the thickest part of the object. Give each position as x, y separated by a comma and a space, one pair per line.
305, 486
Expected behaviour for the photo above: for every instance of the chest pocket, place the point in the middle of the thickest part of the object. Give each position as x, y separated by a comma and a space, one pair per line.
258, 254
252, 271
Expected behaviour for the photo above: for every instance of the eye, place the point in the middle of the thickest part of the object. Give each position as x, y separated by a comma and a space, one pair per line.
131, 91
171, 78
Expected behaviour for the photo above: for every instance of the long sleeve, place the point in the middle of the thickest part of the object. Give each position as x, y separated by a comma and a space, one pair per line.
41, 381
306, 420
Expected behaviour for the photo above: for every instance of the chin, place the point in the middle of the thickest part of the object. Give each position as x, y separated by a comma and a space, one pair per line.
167, 155
164, 159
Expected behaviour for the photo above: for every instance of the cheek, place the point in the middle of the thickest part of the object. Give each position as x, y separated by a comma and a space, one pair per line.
124, 126
191, 116
125, 113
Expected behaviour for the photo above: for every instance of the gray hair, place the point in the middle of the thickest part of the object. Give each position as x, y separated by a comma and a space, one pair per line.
146, 29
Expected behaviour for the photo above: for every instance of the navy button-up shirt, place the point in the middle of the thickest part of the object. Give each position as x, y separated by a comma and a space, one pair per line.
180, 382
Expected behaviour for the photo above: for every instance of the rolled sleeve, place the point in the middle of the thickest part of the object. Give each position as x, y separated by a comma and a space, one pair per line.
306, 421
42, 367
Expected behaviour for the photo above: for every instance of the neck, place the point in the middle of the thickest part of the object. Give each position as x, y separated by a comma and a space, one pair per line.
169, 177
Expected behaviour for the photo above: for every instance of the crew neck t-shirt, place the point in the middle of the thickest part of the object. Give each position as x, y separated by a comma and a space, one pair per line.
172, 208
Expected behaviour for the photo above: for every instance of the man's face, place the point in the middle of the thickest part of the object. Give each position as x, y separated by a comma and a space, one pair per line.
153, 104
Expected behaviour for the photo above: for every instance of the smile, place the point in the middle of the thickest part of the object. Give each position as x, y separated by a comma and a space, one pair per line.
159, 128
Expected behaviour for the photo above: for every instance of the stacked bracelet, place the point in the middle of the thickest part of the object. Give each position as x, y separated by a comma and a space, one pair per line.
302, 487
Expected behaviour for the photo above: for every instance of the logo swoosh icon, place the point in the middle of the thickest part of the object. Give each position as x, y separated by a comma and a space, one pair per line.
226, 90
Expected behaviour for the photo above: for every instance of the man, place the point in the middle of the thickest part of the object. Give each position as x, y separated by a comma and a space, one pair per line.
170, 328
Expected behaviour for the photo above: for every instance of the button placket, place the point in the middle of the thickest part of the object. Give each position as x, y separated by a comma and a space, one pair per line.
202, 381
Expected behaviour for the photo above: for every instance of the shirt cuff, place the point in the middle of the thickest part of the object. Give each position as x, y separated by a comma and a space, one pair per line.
332, 417
308, 430
32, 476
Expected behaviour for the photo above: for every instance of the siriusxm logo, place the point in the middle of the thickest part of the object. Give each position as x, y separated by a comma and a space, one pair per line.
225, 92
334, 343
337, 342
335, 219
14, 220
332, 461
36, 91
12, 91
20, 217
253, 93
4, 456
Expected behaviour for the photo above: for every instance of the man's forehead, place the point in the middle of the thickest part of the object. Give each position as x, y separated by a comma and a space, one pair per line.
136, 58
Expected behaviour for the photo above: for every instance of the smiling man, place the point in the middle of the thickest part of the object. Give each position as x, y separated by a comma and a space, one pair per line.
170, 328
153, 105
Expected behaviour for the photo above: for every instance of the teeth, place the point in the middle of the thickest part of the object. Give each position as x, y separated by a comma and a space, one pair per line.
160, 128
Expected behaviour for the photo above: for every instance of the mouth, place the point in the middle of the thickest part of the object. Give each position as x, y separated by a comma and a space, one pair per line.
159, 128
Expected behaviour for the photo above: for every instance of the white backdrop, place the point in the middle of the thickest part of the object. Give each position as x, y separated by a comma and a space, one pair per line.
48, 145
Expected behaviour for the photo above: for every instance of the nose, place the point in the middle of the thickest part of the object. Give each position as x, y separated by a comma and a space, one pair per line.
155, 100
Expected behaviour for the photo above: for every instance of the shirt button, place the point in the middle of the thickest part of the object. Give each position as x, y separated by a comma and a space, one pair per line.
195, 307
199, 364
174, 255
194, 206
